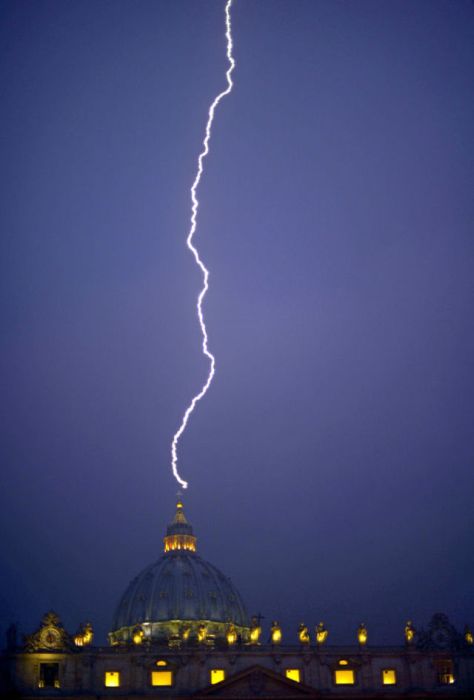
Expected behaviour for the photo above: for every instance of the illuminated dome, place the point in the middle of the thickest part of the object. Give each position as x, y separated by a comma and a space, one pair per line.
179, 597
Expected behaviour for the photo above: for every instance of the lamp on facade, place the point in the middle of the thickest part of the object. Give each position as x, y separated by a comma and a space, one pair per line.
275, 633
202, 634
88, 633
410, 632
255, 631
321, 634
362, 634
84, 635
303, 634
138, 634
231, 634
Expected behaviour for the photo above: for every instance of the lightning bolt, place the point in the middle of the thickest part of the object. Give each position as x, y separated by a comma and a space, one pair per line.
195, 252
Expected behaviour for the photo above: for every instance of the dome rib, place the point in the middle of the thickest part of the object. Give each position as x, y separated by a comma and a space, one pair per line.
201, 597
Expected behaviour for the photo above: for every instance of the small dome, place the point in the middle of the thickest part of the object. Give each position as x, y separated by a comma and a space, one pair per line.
178, 588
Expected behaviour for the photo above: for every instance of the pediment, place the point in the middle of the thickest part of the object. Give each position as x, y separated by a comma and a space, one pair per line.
257, 682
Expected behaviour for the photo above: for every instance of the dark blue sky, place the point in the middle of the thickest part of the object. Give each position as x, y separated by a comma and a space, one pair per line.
331, 464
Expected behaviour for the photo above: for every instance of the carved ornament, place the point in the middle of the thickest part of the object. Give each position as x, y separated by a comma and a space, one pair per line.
441, 635
51, 635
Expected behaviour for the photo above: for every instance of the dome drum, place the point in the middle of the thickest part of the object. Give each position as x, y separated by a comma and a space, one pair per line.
182, 633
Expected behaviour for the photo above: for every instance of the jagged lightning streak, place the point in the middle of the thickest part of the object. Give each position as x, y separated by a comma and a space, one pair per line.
193, 249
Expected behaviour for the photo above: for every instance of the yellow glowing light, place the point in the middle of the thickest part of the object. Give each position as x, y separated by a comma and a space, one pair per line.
162, 678
85, 635
343, 662
112, 679
303, 634
294, 674
445, 672
255, 633
276, 633
161, 663
138, 635
362, 635
469, 637
202, 633
217, 675
255, 630
180, 542
344, 676
321, 633
231, 635
409, 632
88, 635
389, 676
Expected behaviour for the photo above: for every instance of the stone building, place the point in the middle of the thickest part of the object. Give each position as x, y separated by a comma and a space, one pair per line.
181, 629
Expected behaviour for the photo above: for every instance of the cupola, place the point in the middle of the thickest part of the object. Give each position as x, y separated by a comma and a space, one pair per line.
179, 533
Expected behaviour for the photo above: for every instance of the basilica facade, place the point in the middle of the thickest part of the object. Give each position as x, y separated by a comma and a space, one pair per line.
182, 630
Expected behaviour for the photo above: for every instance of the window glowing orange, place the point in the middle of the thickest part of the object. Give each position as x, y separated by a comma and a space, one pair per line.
217, 675
163, 679
112, 679
344, 676
294, 674
389, 676
445, 671
176, 542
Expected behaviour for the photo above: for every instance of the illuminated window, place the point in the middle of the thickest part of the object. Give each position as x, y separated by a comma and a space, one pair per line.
162, 678
49, 676
294, 674
344, 676
112, 679
445, 672
389, 676
217, 675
